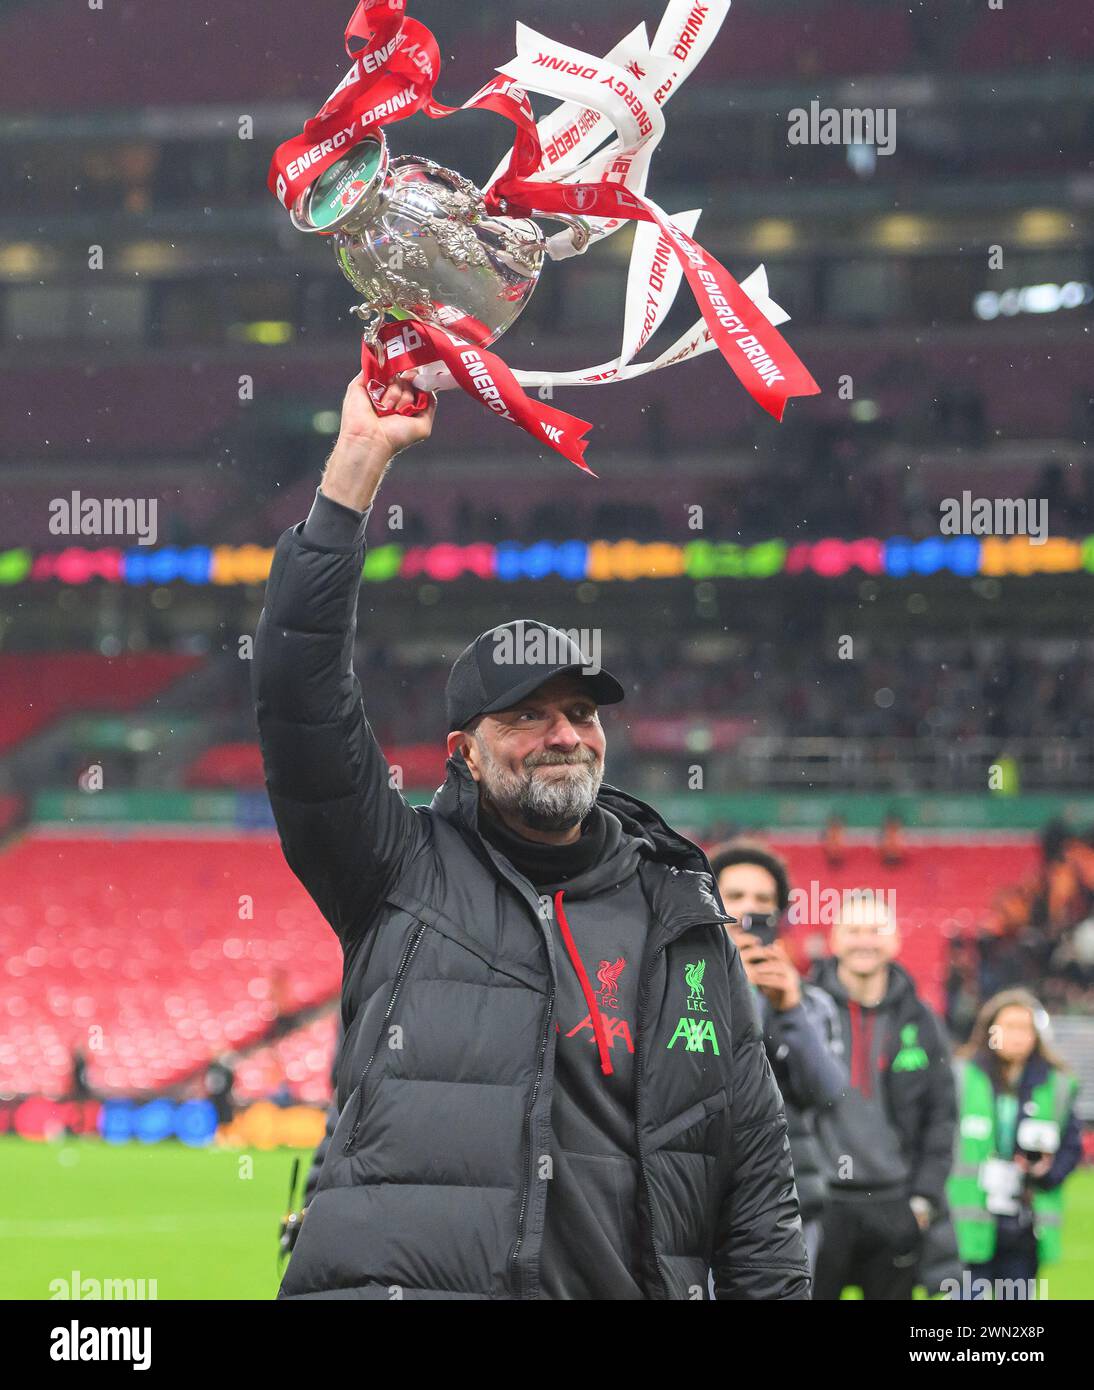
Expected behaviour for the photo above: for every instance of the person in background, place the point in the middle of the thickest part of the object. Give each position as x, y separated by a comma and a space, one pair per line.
798, 1019
79, 1086
1019, 1140
891, 845
889, 1140
834, 842
219, 1080
962, 993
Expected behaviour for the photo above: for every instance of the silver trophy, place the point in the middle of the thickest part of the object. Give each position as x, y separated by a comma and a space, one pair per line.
416, 241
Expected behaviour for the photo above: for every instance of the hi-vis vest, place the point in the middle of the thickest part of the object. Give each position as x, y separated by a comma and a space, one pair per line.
974, 1224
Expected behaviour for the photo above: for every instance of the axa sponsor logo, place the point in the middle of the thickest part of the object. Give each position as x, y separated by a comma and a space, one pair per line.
694, 1032
613, 1028
607, 997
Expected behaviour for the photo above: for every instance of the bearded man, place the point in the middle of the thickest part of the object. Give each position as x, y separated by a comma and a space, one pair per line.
552, 1085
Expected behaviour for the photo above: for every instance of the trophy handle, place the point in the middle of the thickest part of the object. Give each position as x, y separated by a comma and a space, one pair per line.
371, 318
580, 231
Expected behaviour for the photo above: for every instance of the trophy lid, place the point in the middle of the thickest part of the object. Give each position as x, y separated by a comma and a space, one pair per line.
344, 190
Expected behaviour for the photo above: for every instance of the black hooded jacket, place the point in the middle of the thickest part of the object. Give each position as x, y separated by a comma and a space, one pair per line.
810, 1075
892, 1133
434, 1185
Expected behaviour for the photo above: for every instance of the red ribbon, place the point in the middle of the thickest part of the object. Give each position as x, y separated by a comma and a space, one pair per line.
481, 373
759, 355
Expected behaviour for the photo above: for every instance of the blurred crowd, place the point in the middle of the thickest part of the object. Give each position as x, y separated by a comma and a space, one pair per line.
1039, 934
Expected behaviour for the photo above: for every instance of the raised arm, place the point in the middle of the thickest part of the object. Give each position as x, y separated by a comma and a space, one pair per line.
345, 831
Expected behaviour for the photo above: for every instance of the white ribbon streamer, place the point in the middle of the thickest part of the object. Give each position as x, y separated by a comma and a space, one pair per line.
593, 109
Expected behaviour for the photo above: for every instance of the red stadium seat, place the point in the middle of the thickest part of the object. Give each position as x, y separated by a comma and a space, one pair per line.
39, 688
941, 890
135, 953
300, 1061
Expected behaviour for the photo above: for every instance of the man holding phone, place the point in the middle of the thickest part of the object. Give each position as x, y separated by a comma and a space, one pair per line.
799, 1021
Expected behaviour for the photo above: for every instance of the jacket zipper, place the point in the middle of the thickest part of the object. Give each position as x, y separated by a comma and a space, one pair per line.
526, 1137
404, 966
639, 1064
526, 1144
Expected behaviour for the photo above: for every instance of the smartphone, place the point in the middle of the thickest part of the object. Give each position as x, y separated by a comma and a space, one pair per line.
764, 926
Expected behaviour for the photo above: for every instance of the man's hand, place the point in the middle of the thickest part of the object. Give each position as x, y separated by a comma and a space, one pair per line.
922, 1210
771, 970
367, 442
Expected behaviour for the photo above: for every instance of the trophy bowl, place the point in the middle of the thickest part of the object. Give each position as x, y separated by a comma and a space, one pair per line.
416, 241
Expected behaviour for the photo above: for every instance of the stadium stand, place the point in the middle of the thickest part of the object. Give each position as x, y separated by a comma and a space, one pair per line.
141, 939
42, 687
296, 1068
136, 952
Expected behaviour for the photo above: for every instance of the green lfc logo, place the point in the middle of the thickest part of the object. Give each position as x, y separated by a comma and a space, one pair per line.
911, 1056
696, 1032
693, 974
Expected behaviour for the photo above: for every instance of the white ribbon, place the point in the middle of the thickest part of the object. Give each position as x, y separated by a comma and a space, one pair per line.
592, 110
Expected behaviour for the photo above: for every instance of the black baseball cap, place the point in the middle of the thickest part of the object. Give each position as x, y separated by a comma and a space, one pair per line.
509, 661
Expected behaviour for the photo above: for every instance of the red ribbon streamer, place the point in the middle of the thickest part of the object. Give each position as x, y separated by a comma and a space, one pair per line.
481, 373
759, 355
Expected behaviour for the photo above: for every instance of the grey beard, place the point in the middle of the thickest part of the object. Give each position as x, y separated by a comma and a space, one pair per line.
554, 803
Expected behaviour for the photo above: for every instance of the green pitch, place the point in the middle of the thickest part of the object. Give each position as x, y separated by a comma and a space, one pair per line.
203, 1222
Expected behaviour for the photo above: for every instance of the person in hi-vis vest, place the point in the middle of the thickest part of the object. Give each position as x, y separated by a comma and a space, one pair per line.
1018, 1140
